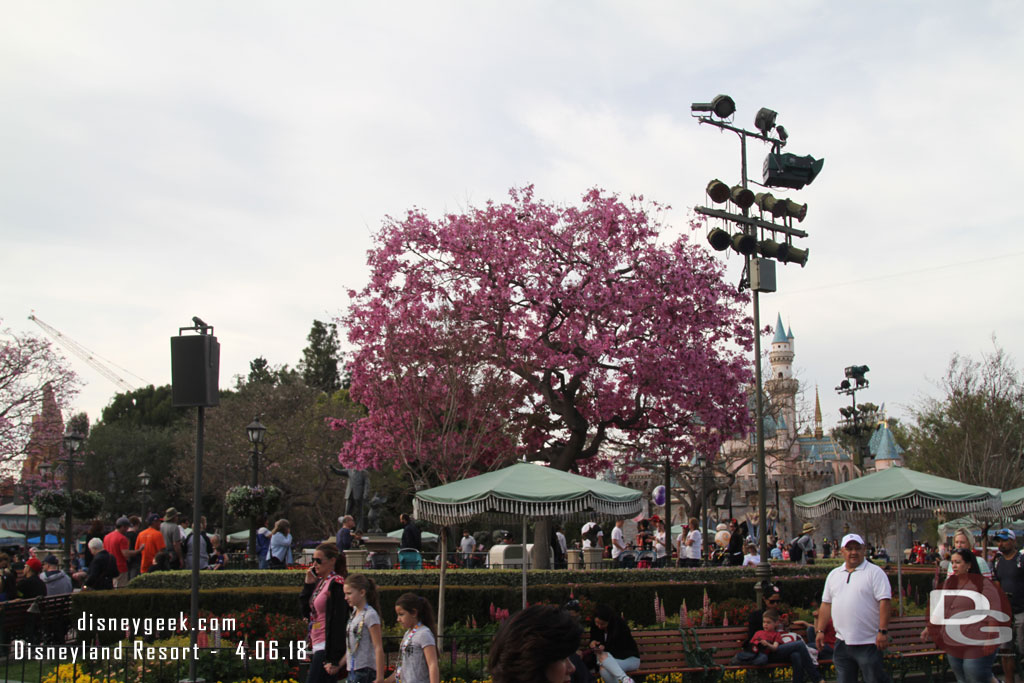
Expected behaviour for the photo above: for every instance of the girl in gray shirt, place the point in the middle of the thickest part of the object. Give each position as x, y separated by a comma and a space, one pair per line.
418, 653
364, 646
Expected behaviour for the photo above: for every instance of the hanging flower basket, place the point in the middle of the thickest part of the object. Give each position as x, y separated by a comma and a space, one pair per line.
252, 501
51, 503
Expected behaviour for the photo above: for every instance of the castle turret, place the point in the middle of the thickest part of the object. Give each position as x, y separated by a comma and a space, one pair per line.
780, 383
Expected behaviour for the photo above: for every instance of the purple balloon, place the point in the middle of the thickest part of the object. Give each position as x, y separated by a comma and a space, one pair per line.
659, 495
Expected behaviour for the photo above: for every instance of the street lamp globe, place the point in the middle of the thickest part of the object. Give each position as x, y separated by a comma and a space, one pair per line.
73, 441
255, 431
144, 479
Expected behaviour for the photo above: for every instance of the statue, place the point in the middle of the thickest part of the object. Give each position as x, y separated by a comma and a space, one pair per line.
373, 518
357, 490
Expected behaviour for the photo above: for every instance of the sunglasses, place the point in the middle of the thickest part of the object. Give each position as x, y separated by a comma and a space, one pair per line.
773, 601
318, 560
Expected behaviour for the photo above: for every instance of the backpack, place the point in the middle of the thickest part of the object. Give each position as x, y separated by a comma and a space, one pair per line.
796, 553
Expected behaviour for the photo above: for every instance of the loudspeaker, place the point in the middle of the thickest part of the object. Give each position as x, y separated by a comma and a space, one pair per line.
195, 371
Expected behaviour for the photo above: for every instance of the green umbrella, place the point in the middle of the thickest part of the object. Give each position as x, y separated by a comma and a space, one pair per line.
903, 493
520, 492
1013, 502
11, 538
425, 536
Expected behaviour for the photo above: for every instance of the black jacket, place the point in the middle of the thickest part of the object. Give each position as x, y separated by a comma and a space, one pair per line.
31, 587
102, 572
337, 618
617, 640
411, 536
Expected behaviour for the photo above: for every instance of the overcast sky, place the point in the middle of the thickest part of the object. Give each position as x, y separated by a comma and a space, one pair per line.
231, 160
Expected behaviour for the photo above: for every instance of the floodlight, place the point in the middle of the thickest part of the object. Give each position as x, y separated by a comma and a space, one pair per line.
742, 197
794, 255
773, 249
719, 239
744, 243
793, 210
722, 106
718, 191
766, 202
765, 120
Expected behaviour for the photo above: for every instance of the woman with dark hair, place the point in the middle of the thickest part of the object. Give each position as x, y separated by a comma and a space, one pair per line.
535, 645
323, 603
976, 669
617, 653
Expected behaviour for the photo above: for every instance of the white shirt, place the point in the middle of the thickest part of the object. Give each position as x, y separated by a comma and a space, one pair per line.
693, 551
751, 560
854, 597
561, 542
659, 544
617, 548
467, 545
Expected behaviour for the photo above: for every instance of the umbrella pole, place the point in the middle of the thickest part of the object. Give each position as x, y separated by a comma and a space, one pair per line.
525, 559
899, 561
440, 589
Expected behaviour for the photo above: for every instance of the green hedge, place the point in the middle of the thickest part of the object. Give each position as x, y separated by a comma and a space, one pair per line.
634, 600
472, 577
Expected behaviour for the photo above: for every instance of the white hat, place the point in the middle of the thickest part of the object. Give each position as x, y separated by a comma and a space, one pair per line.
851, 537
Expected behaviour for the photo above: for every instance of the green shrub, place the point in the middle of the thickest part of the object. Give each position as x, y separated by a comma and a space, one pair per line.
470, 577
468, 604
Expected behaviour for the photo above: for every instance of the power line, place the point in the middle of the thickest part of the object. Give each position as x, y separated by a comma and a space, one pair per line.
931, 269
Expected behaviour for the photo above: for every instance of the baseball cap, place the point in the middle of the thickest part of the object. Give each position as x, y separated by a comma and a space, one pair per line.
153, 517
50, 559
1005, 535
849, 538
34, 564
122, 521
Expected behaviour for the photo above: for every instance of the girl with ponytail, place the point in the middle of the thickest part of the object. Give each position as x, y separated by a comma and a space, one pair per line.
365, 654
418, 653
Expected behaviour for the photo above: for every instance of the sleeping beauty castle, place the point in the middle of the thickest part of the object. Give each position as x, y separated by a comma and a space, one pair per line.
799, 456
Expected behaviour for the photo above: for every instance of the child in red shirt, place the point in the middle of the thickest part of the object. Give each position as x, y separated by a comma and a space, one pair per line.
768, 639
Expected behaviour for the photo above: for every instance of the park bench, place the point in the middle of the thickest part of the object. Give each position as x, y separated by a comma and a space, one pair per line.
708, 651
35, 619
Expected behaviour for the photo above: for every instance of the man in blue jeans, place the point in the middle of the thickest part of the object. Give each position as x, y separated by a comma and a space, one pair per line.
856, 599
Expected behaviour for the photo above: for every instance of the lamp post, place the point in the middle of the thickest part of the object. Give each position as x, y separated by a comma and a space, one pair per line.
255, 431
46, 470
72, 443
756, 236
702, 463
144, 489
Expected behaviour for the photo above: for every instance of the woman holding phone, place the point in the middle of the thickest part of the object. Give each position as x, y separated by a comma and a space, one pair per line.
323, 603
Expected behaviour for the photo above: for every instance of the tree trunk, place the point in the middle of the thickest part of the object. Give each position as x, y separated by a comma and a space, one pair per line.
541, 544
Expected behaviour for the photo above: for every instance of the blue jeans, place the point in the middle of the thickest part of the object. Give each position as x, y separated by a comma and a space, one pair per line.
797, 655
867, 659
613, 669
972, 670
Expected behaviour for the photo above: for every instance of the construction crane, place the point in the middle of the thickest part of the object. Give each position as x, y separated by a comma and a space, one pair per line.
97, 363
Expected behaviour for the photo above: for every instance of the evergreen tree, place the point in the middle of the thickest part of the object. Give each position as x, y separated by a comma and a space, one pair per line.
321, 358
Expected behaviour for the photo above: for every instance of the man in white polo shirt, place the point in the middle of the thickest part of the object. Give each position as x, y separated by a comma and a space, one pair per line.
856, 599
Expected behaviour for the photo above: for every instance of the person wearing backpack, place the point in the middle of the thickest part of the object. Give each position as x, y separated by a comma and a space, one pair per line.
802, 551
1008, 572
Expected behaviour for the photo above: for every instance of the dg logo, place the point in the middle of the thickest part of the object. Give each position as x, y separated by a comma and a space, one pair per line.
969, 617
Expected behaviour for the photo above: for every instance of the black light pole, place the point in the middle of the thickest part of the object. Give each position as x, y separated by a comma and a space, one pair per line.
144, 480
756, 237
45, 470
702, 463
854, 426
255, 431
72, 443
195, 378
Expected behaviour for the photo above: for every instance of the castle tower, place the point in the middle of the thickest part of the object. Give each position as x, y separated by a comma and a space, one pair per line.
781, 384
45, 439
818, 431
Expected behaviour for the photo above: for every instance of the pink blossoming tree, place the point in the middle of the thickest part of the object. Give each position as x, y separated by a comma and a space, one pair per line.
31, 370
575, 335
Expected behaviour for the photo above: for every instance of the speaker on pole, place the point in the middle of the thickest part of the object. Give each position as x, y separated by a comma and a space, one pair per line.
195, 369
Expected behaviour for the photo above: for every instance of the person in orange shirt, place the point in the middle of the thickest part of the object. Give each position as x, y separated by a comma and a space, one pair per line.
150, 541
